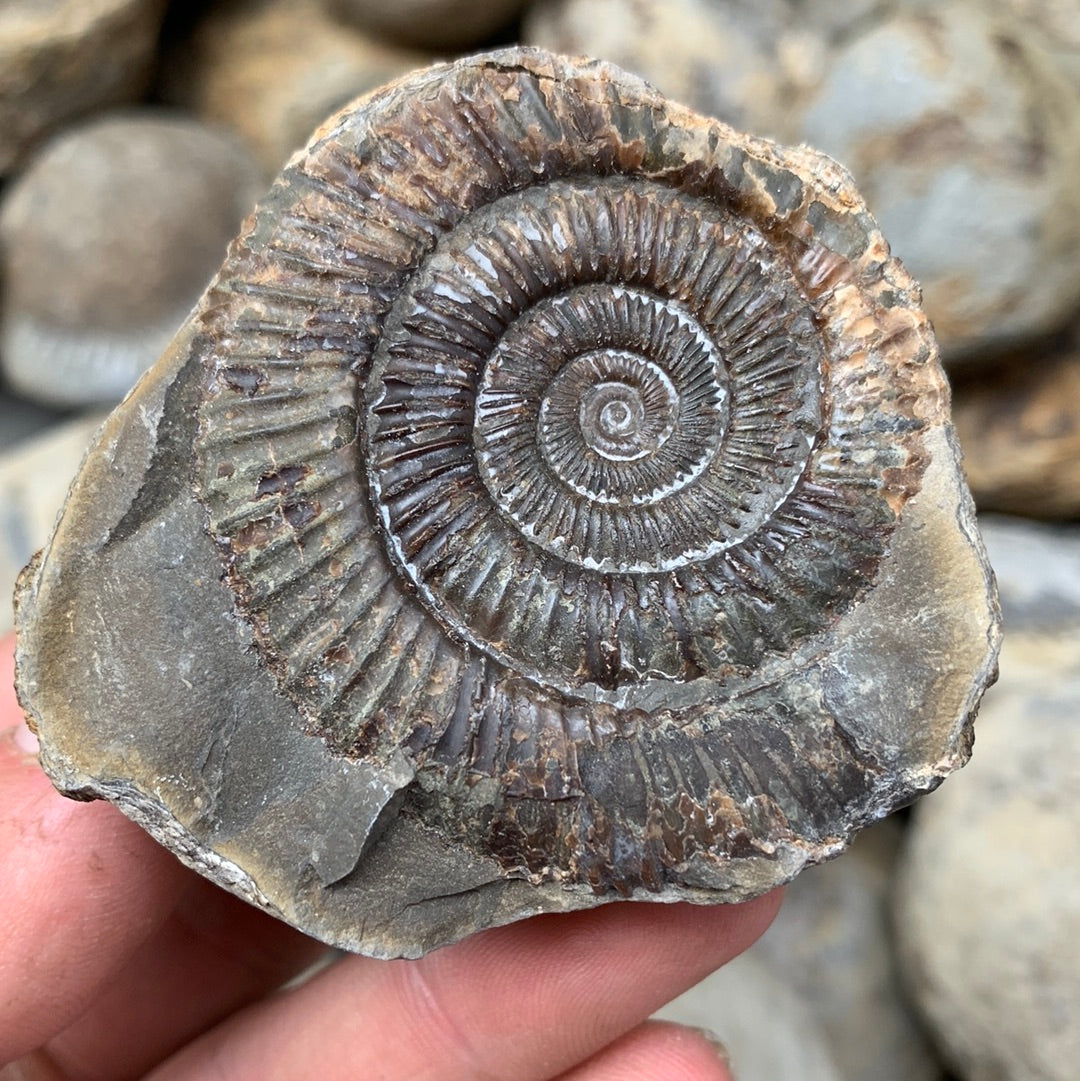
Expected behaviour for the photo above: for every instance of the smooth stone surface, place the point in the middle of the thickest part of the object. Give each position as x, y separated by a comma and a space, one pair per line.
989, 893
35, 475
965, 141
1038, 572
108, 239
989, 899
1057, 25
1037, 567
832, 946
273, 70
232, 520
1019, 425
61, 59
767, 1026
740, 62
429, 24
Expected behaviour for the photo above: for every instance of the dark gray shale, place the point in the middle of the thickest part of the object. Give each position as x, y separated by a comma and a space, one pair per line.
552, 501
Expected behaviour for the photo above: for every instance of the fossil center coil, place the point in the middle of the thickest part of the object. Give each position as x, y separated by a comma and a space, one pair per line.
612, 379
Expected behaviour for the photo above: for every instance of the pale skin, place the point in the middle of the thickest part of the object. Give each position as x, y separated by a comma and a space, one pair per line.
116, 962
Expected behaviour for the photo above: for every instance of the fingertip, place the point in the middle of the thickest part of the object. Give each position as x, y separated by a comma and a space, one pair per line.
594, 973
739, 921
660, 1051
683, 931
744, 922
82, 888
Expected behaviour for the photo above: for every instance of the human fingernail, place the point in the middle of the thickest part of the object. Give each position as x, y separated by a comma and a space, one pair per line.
718, 1045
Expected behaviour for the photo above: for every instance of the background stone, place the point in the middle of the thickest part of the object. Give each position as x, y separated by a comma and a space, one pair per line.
989, 900
721, 59
832, 945
1019, 425
767, 1027
429, 24
831, 954
34, 478
109, 238
989, 894
61, 59
20, 418
1057, 24
273, 70
964, 139
1038, 573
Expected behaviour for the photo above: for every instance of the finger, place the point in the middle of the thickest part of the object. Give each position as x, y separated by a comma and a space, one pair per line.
214, 955
167, 959
11, 716
82, 888
526, 1001
659, 1051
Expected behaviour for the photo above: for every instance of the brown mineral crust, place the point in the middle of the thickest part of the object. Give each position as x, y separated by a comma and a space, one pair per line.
60, 59
459, 626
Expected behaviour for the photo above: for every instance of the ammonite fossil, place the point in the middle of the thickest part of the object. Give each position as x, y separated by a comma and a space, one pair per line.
551, 501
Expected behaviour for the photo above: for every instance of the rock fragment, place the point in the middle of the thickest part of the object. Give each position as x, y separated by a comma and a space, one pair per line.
108, 238
1019, 425
60, 59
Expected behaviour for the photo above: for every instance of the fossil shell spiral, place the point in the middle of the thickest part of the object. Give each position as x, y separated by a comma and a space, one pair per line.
556, 493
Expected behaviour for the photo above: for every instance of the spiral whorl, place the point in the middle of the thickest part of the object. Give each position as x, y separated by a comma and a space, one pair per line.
592, 388
541, 412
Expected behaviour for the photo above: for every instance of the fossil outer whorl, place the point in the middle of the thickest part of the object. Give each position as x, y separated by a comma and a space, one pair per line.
594, 431
583, 465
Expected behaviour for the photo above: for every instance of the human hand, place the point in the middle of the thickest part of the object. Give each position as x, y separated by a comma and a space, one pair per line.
117, 962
